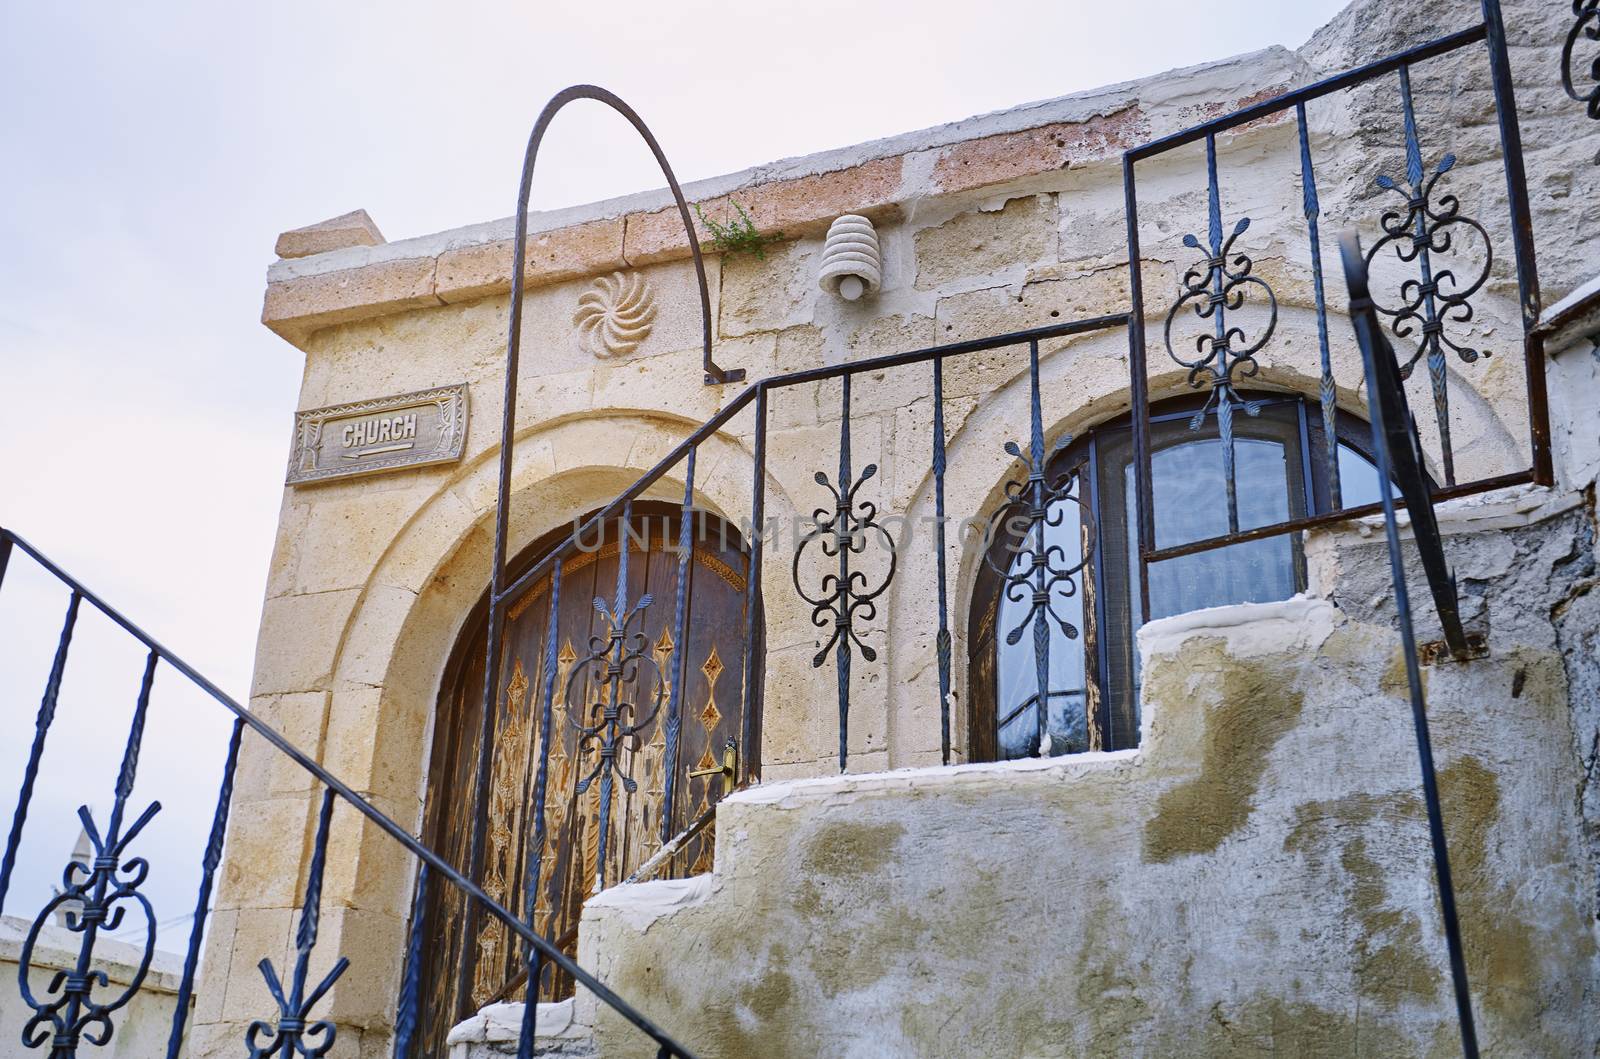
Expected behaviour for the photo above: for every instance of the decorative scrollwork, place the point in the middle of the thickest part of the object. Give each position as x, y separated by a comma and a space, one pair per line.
1429, 226
1424, 228
294, 1033
1585, 25
620, 656
100, 890
845, 598
1036, 572
614, 659
1213, 288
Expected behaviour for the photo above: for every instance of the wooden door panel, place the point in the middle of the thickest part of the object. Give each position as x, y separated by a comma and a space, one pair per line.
710, 710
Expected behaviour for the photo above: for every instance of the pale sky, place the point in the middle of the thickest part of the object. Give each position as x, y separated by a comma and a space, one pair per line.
149, 155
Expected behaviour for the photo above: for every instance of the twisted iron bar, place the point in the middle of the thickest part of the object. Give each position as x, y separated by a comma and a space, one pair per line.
1214, 288
1326, 392
753, 611
847, 597
942, 640
541, 787
100, 898
1427, 227
1585, 24
294, 1033
209, 863
41, 729
1038, 572
680, 649
408, 1011
614, 659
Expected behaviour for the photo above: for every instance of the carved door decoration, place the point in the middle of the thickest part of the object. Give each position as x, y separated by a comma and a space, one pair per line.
710, 711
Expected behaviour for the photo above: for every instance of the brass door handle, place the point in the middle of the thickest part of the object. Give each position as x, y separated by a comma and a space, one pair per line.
727, 770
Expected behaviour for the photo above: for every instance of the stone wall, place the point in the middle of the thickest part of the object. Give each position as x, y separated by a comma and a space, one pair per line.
996, 223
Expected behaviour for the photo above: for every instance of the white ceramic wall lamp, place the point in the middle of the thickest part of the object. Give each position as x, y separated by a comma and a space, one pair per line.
852, 264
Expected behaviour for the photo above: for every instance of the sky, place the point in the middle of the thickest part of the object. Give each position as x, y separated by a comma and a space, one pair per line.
150, 154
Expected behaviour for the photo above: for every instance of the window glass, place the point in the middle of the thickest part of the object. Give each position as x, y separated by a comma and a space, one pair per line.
1358, 478
1093, 685
1017, 672
1187, 481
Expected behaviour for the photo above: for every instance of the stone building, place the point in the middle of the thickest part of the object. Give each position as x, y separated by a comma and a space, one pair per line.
1214, 842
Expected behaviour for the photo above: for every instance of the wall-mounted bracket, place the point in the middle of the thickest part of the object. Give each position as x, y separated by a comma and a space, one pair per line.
1438, 652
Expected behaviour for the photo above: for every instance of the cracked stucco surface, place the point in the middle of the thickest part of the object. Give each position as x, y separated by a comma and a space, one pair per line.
1253, 881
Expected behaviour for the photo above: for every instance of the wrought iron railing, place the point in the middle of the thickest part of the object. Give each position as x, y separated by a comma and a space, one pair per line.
78, 1006
1440, 260
625, 688
617, 696
1585, 31
1400, 458
1037, 575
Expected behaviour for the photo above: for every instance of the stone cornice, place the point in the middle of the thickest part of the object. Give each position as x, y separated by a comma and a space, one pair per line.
798, 196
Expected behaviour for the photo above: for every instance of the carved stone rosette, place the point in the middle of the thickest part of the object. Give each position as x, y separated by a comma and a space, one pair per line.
615, 315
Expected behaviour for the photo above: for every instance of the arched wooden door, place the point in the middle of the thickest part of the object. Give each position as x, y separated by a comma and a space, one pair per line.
710, 711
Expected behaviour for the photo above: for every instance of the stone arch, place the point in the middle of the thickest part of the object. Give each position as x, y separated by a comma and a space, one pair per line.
410, 612
396, 643
1084, 382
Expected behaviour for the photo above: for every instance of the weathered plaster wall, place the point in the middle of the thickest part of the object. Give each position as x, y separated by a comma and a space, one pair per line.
1254, 880
989, 225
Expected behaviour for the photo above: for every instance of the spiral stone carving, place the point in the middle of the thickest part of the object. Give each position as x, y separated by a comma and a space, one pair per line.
852, 264
614, 316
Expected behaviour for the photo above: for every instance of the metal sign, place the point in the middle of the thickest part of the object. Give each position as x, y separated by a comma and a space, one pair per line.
385, 434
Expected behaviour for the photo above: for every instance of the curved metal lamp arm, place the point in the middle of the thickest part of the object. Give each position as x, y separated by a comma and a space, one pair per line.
714, 374
508, 420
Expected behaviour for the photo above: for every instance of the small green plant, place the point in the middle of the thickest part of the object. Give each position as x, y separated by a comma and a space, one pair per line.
738, 236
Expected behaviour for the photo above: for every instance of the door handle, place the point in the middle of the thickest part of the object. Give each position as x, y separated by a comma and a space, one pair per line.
727, 770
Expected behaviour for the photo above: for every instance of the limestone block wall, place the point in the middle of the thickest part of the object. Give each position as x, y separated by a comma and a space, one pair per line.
989, 225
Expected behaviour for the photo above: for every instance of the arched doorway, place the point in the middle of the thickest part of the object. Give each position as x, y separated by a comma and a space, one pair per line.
710, 711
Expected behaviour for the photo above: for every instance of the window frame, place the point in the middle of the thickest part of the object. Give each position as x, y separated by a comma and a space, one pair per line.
1115, 724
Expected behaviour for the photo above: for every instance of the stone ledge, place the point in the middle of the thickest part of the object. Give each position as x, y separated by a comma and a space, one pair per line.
474, 272
1011, 156
798, 196
496, 1030
797, 208
297, 308
1574, 315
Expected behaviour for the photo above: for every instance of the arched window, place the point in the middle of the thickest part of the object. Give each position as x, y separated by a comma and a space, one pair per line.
1093, 677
